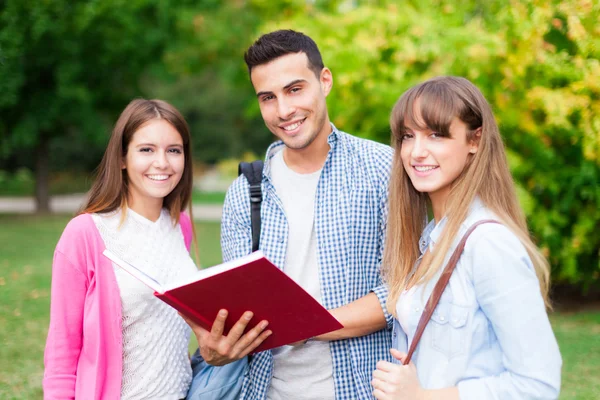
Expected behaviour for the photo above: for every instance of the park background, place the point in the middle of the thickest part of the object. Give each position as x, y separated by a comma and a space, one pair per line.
68, 68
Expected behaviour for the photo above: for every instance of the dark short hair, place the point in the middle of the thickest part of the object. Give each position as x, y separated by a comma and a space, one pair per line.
273, 45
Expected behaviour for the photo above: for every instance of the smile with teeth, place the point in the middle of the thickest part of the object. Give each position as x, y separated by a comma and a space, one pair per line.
293, 126
158, 177
424, 168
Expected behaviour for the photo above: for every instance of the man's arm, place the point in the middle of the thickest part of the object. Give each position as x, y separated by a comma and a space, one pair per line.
361, 317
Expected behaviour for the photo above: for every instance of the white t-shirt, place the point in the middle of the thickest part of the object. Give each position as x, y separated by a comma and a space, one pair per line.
155, 338
306, 371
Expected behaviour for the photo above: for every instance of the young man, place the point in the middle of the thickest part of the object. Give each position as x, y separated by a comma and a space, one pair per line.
323, 216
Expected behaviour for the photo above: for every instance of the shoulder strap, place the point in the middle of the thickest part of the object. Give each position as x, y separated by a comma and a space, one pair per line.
440, 286
253, 173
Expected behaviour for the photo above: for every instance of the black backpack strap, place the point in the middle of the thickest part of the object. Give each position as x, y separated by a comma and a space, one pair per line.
253, 173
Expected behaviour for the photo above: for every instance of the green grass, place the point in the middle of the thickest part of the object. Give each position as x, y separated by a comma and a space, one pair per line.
208, 197
26, 247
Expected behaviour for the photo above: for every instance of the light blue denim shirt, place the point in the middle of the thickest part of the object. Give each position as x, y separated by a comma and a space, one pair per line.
490, 335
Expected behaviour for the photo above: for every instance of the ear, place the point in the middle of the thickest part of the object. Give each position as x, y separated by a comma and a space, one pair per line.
474, 143
326, 80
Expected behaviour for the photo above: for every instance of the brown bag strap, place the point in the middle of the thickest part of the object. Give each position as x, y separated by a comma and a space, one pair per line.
440, 286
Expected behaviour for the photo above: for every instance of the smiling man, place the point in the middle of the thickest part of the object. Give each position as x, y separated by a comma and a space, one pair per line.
324, 214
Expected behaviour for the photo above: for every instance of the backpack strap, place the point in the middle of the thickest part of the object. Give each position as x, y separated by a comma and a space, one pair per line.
253, 173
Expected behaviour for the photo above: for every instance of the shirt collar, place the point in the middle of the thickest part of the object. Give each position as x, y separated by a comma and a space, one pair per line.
433, 230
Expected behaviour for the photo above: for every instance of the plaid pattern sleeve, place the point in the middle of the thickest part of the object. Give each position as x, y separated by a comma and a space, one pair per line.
350, 218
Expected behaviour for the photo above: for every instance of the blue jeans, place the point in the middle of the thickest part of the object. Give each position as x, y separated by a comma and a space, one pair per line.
216, 383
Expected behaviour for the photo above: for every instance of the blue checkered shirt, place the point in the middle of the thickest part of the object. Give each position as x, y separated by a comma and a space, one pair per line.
350, 221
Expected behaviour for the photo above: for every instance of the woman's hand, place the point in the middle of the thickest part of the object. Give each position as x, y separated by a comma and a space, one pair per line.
396, 382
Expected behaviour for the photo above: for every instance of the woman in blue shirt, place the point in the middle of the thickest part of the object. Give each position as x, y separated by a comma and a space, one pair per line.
489, 336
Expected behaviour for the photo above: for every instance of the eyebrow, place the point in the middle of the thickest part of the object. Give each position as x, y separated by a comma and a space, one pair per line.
154, 145
289, 85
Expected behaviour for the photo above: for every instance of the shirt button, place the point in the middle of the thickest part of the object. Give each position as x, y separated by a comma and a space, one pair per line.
280, 239
416, 309
442, 319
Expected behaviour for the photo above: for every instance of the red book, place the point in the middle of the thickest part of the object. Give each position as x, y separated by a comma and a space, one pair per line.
251, 283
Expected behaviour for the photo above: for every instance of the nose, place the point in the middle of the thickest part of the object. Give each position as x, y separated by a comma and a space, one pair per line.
419, 148
285, 109
161, 160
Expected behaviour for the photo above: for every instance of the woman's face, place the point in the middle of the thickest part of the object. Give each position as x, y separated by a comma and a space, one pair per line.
433, 161
154, 162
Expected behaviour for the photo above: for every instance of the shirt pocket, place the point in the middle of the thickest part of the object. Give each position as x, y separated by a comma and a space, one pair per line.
449, 332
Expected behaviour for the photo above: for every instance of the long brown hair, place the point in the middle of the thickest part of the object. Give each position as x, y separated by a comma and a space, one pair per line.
435, 103
110, 189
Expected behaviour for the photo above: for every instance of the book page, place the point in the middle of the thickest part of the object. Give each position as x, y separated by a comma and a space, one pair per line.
217, 269
135, 272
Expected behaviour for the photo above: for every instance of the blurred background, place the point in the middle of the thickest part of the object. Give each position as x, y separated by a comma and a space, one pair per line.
67, 69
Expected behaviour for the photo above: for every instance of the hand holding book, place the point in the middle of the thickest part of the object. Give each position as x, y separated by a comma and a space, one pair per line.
250, 283
218, 349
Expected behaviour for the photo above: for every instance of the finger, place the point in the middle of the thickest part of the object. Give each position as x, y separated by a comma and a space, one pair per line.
380, 395
385, 387
398, 355
386, 366
237, 330
254, 338
390, 377
219, 325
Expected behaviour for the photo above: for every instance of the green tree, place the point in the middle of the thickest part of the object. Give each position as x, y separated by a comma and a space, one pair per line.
207, 77
537, 63
68, 68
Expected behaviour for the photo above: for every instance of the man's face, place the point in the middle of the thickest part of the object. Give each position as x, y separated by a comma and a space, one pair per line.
292, 100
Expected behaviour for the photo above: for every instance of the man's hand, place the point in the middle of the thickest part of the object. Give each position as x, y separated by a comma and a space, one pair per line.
217, 349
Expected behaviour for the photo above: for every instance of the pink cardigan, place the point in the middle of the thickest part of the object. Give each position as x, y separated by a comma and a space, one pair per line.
83, 357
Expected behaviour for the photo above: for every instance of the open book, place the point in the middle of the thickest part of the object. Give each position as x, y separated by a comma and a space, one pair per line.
250, 283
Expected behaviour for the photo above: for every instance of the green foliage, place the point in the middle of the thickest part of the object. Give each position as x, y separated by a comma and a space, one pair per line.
536, 62
68, 68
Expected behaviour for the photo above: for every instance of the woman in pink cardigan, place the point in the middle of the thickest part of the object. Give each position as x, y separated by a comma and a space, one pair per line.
109, 337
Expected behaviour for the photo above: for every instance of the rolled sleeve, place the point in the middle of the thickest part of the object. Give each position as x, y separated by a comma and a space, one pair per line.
382, 294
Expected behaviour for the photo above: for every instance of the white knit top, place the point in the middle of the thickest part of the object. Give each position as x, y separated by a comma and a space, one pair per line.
155, 338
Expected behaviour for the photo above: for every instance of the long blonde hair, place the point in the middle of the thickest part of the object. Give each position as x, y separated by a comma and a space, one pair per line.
436, 103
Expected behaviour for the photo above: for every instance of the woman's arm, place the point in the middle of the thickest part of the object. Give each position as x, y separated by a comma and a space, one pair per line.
65, 334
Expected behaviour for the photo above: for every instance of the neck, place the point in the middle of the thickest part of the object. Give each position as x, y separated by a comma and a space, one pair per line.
312, 157
149, 209
439, 201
